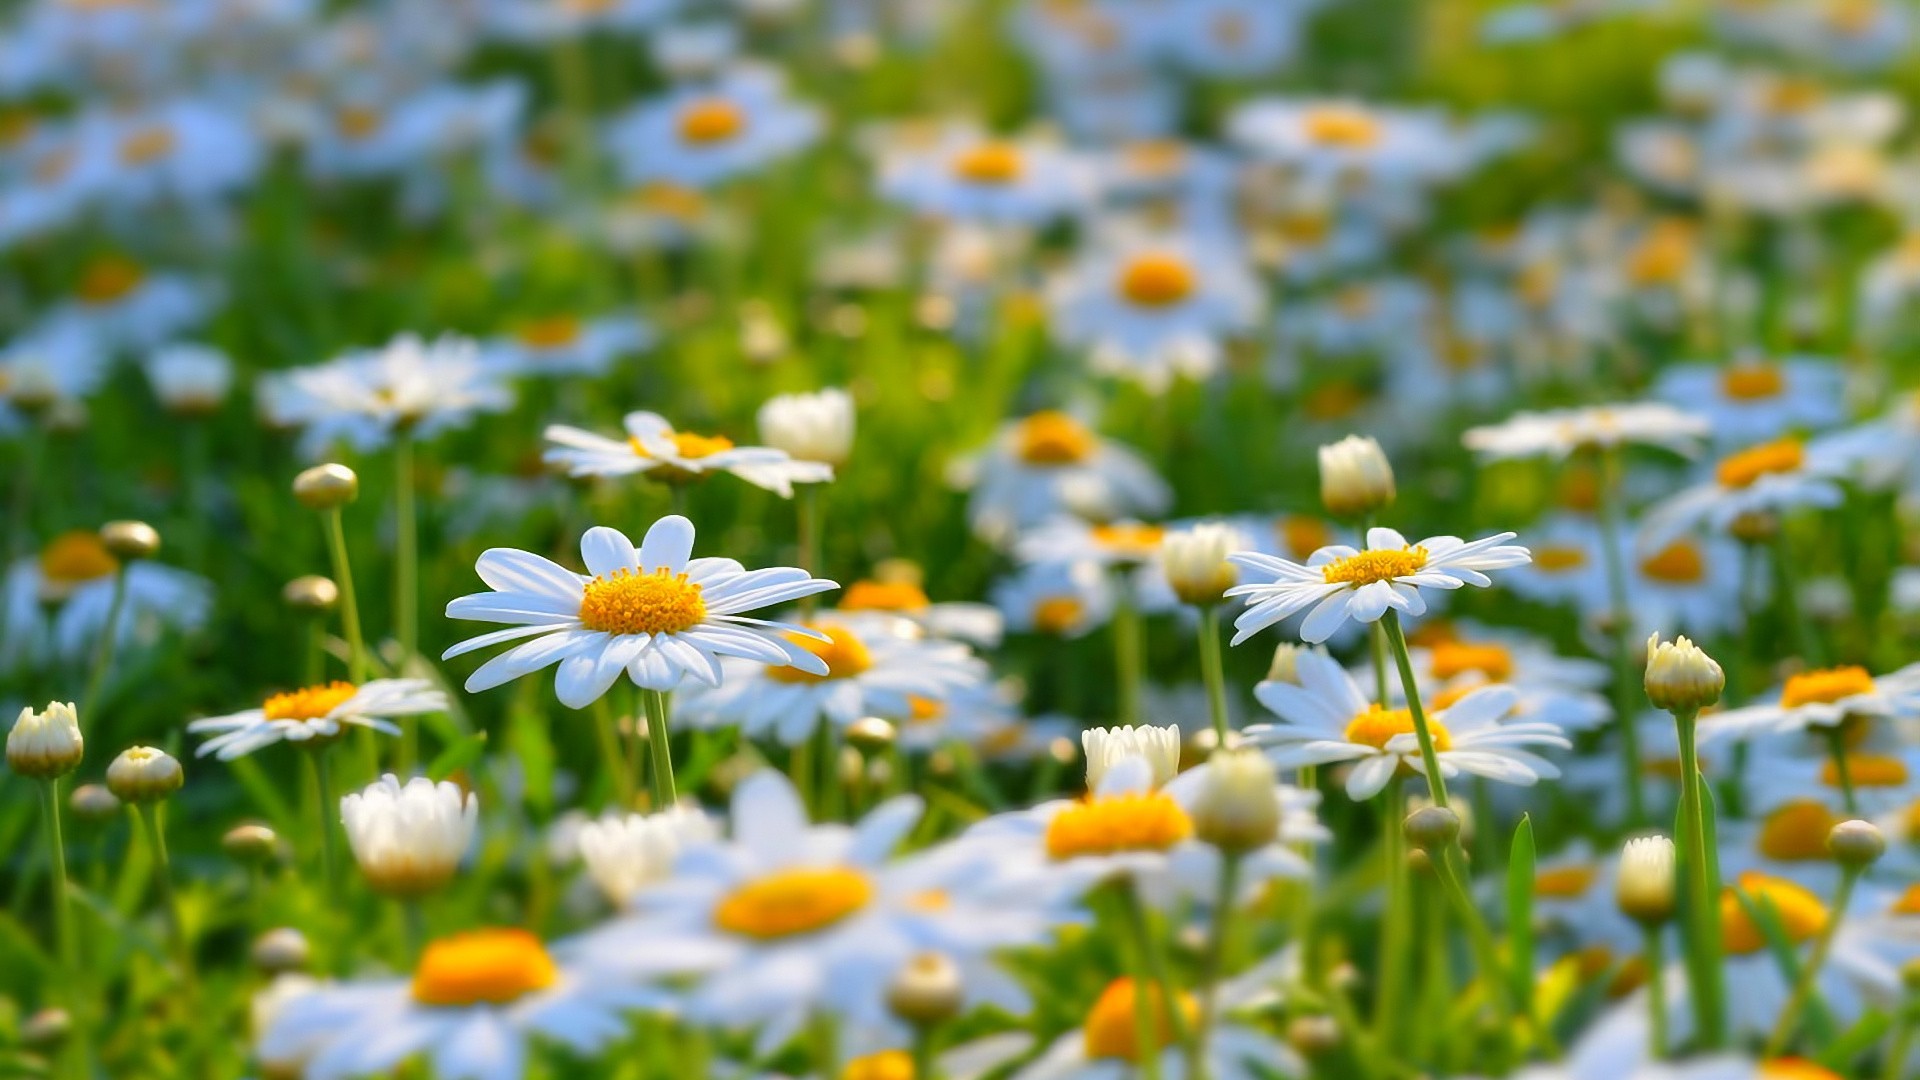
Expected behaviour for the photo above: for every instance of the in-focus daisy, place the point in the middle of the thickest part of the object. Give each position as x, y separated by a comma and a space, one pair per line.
317, 715
653, 612
653, 448
699, 135
60, 601
1048, 464
1339, 582
1325, 717
364, 398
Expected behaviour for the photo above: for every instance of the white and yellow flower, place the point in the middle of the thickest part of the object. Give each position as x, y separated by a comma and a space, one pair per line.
653, 448
317, 715
60, 601
1050, 464
1752, 400
702, 134
1107, 1045
1769, 479
559, 345
364, 398
1559, 433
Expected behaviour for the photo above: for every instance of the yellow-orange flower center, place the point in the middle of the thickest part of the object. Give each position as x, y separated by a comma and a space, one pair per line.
845, 654
1866, 770
1342, 126
1113, 1030
357, 123
1051, 437
147, 145
1131, 540
885, 1065
1662, 256
1797, 832
1564, 882
792, 902
993, 162
641, 602
1795, 1069
77, 557
1107, 825
1679, 563
108, 279
1908, 903
1369, 567
1748, 466
1825, 686
1451, 658
309, 703
711, 120
1753, 382
1376, 727
551, 332
1058, 615
1559, 559
484, 966
870, 595
1156, 280
1800, 913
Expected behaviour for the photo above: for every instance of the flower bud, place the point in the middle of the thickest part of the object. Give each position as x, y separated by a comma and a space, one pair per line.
408, 840
1195, 562
1104, 747
142, 774
191, 380
250, 843
1645, 889
627, 853
810, 427
1285, 666
281, 949
928, 990
326, 487
130, 540
1355, 477
1238, 807
1314, 1035
871, 734
93, 803
1432, 827
1681, 677
311, 593
45, 745
1857, 844
46, 1030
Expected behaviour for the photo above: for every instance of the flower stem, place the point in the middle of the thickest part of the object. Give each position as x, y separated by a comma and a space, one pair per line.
1128, 648
1790, 610
1146, 1026
103, 649
1431, 760
1810, 971
1655, 954
1837, 748
406, 583
349, 607
1705, 974
1395, 920
1452, 870
661, 756
1213, 671
806, 509
1376, 638
1618, 605
323, 798
149, 817
1214, 963
57, 854
923, 1067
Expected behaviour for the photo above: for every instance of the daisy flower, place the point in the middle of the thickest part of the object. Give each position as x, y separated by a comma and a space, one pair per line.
1771, 478
1333, 138
1049, 464
653, 448
59, 602
561, 345
1787, 769
317, 715
1107, 1044
1547, 687
473, 1007
700, 135
653, 612
1060, 599
1559, 433
1826, 699
967, 176
1325, 718
364, 398
1339, 583
980, 625
1753, 400
124, 305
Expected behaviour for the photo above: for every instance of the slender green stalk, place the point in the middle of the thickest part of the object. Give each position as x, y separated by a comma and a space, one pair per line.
1706, 975
1902, 1044
1213, 964
1810, 971
661, 756
357, 665
1625, 681
1394, 926
1451, 868
1843, 772
806, 509
149, 817
406, 583
608, 734
923, 1065
62, 900
1788, 573
103, 649
1428, 757
1213, 671
1129, 647
827, 760
1146, 1026
1655, 952
323, 802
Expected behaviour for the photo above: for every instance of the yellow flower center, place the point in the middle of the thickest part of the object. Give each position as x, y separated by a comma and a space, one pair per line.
1451, 658
1564, 882
1058, 615
923, 710
1679, 563
1132, 540
1744, 468
846, 656
1369, 567
77, 557
1302, 535
1107, 825
1579, 489
1112, 1028
1156, 280
146, 145
1376, 727
1825, 686
484, 966
885, 1065
358, 123
872, 595
1866, 770
552, 332
309, 703
711, 120
1051, 437
1795, 1069
793, 902
108, 279
1156, 157
1753, 382
1342, 126
1559, 559
1908, 903
1797, 832
641, 602
1800, 913
993, 163
1663, 255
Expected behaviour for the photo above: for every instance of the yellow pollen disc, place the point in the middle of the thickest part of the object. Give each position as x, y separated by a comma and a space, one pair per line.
793, 902
1369, 567
1593, 961
1377, 726
990, 163
1451, 658
1341, 126
1112, 1028
76, 557
1801, 914
632, 602
921, 710
1753, 382
108, 279
1662, 256
927, 900
1797, 832
872, 595
1135, 541
1631, 976
1679, 563
1795, 1069
1825, 686
1579, 489
484, 966
549, 333
1559, 560
357, 123
1058, 615
1116, 823
1744, 468
1908, 903
1866, 770
1565, 882
310, 703
885, 1065
1156, 157
1302, 535
146, 145
689, 445
711, 120
1333, 401
1157, 280
1051, 437
845, 654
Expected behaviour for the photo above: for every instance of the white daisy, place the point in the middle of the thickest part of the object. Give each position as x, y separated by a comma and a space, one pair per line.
363, 398
701, 134
1753, 400
58, 603
317, 714
979, 625
1048, 464
652, 447
652, 612
1559, 433
967, 176
1823, 699
559, 345
1771, 478
1059, 599
1107, 1044
625, 853
1340, 583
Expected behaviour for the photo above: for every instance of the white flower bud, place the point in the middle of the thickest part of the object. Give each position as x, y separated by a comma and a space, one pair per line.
1285, 666
1195, 562
928, 990
1680, 677
190, 379
1238, 807
1856, 843
45, 745
1645, 887
810, 427
1158, 746
1355, 477
626, 853
408, 840
142, 774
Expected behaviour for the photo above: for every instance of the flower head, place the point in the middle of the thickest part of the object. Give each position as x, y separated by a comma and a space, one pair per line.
810, 427
1355, 477
45, 745
1159, 747
1680, 676
408, 839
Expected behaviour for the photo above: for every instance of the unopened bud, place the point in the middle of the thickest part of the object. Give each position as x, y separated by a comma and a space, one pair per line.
1432, 827
142, 774
871, 734
326, 487
1238, 807
1314, 1035
927, 991
250, 843
130, 540
45, 745
311, 593
1195, 562
46, 1029
1680, 677
281, 949
1645, 889
93, 803
1355, 477
1856, 843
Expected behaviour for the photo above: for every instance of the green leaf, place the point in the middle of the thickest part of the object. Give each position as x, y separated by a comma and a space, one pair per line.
1520, 880
1785, 954
458, 756
1844, 1051
528, 741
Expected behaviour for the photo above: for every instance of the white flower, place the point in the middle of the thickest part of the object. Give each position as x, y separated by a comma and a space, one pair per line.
408, 840
1355, 476
1107, 1044
1822, 699
1752, 399
191, 379
1645, 884
1048, 464
810, 427
317, 714
562, 345
1771, 478
1159, 747
1560, 432
625, 853
966, 176
58, 604
700, 134
423, 387
1340, 583
46, 744
654, 612
1681, 676
652, 447
1194, 561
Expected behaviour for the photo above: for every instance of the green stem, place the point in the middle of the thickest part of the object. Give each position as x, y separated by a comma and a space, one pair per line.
357, 666
1146, 1026
149, 817
1213, 671
661, 756
406, 584
1452, 870
1842, 770
1655, 953
923, 1064
1810, 971
1428, 757
57, 854
1213, 964
1706, 974
615, 758
1789, 578
1128, 650
103, 649
806, 508
1394, 925
323, 800
1625, 683
827, 760
1903, 1031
